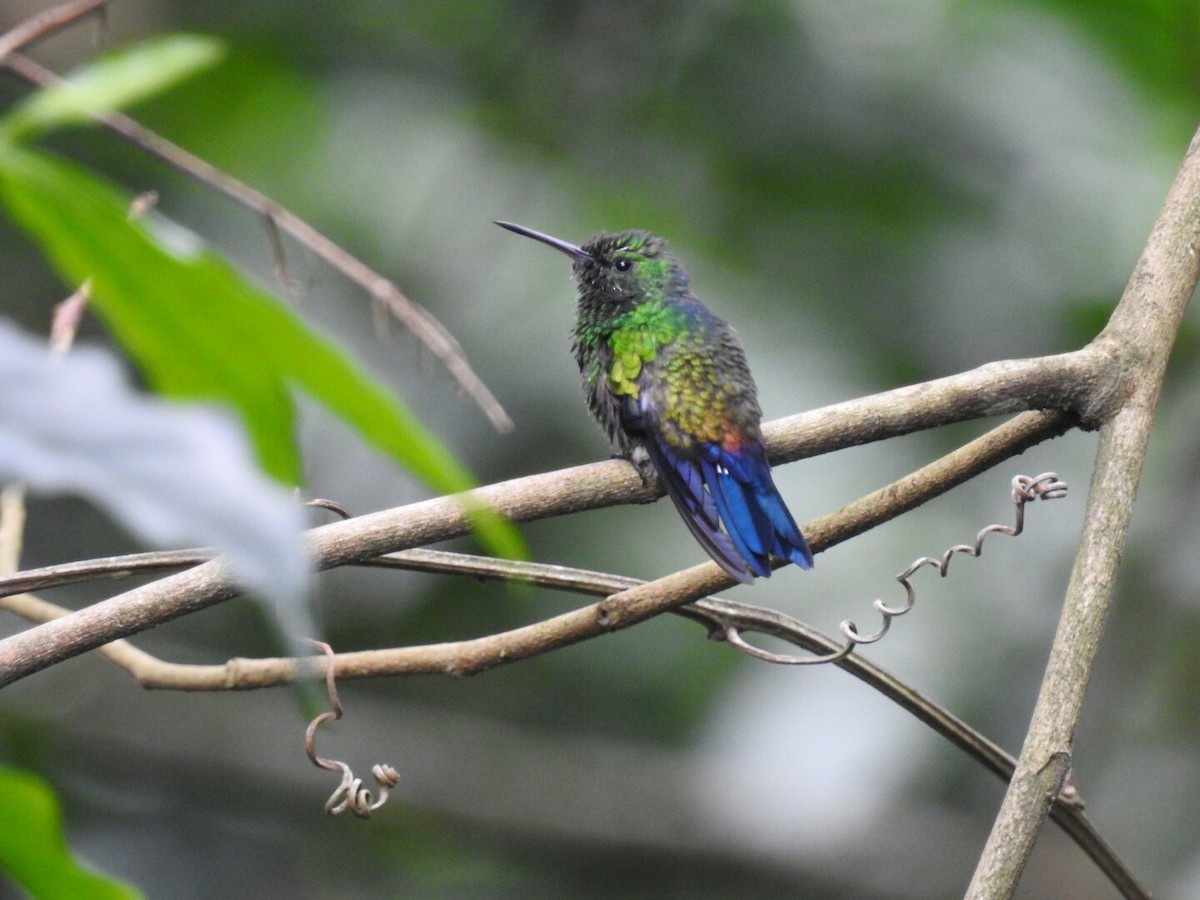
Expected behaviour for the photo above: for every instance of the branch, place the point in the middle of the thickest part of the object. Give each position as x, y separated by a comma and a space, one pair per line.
1082, 383
37, 27
1140, 335
525, 499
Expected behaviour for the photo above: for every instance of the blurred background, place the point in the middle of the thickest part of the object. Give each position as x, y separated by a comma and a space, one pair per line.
874, 193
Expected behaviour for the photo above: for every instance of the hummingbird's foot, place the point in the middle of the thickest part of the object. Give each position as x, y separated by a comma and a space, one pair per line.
639, 457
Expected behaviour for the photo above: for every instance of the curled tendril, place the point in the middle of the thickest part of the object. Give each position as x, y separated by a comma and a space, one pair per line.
350, 794
1024, 489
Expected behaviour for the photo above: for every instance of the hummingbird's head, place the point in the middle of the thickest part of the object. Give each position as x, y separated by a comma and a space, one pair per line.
629, 265
620, 269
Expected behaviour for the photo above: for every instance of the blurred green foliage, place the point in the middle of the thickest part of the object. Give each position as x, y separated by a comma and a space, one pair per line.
33, 849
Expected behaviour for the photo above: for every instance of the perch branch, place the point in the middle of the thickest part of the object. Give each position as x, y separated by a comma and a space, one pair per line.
533, 497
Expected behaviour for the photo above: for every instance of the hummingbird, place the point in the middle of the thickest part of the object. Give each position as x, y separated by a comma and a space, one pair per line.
669, 382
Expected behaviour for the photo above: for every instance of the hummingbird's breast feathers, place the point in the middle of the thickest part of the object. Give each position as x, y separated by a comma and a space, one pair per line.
703, 393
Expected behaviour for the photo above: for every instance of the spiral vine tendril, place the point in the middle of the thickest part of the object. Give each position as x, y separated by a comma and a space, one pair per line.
1024, 489
350, 794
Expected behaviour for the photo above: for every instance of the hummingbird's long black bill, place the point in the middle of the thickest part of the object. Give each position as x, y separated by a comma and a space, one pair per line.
562, 246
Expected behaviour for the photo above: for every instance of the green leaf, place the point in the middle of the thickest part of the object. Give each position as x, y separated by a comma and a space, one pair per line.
114, 81
33, 848
200, 331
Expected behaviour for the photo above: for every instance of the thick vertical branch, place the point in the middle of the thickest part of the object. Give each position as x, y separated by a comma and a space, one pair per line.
1139, 335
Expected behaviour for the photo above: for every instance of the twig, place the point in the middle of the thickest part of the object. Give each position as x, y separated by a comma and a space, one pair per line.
1067, 811
37, 27
67, 316
428, 330
105, 567
12, 527
1142, 330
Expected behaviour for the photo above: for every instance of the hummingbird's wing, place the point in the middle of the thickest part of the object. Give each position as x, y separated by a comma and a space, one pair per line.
679, 471
754, 514
685, 486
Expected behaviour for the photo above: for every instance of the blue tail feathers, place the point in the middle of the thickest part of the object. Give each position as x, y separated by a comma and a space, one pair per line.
735, 490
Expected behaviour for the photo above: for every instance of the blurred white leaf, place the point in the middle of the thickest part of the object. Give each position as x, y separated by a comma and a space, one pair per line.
172, 474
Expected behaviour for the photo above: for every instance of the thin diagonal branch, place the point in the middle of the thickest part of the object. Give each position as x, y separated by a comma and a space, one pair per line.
37, 27
419, 321
1011, 438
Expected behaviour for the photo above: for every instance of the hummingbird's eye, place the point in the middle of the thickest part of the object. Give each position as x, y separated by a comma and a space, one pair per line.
623, 264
